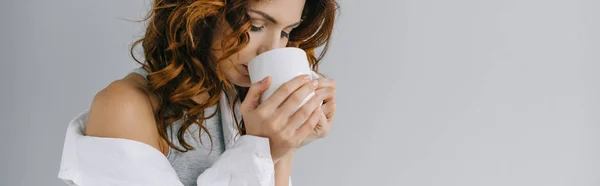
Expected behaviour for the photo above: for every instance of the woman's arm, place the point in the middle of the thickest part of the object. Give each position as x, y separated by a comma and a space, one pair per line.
283, 170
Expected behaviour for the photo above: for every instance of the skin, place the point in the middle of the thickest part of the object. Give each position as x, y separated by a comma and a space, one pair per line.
124, 109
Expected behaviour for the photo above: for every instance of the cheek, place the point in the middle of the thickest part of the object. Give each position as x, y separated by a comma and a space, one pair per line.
248, 52
234, 62
234, 71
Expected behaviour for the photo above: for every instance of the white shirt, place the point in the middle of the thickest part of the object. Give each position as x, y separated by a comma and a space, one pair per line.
91, 161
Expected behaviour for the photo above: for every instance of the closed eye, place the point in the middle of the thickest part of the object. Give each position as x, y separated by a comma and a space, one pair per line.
261, 28
256, 29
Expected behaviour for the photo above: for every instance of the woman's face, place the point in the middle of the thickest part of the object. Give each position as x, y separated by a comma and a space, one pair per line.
272, 21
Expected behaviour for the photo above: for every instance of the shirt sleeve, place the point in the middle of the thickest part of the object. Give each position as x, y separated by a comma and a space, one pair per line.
247, 163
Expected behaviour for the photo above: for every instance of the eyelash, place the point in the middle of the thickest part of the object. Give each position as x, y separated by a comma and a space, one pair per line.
258, 29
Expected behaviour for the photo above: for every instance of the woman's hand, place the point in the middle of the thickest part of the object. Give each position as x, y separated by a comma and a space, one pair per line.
326, 88
273, 118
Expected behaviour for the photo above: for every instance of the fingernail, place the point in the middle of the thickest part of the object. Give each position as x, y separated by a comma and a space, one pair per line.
315, 83
264, 80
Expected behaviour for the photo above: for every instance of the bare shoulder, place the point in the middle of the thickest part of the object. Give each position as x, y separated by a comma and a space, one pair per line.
125, 109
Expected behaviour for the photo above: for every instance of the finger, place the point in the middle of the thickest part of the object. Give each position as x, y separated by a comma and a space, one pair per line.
251, 101
323, 126
308, 127
285, 90
297, 98
328, 109
327, 94
326, 83
302, 114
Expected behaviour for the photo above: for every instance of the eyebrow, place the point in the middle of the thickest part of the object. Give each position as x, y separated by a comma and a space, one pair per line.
271, 19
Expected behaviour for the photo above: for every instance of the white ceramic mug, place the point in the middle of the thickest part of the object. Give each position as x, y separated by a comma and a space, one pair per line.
283, 65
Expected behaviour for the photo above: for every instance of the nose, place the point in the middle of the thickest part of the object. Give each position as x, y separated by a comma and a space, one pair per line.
271, 43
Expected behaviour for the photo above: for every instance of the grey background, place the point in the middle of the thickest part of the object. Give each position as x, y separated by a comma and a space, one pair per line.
430, 92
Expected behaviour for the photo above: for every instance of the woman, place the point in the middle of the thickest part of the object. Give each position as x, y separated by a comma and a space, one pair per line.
190, 115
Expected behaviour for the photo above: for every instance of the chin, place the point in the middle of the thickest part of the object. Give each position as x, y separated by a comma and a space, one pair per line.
241, 80
243, 84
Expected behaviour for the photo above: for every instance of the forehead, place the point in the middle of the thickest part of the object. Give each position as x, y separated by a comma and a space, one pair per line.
284, 11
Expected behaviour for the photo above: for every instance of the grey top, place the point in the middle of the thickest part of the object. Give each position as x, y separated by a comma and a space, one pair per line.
189, 165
